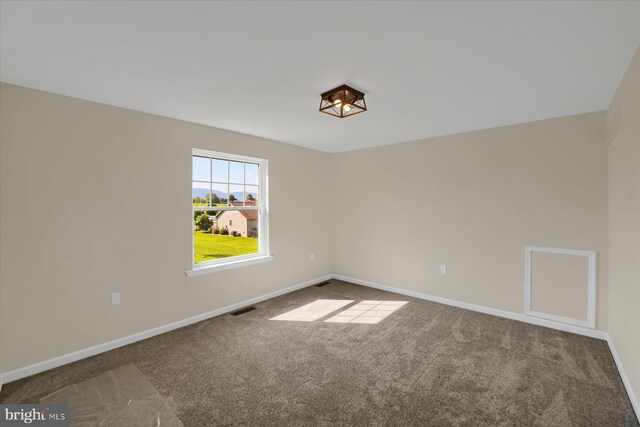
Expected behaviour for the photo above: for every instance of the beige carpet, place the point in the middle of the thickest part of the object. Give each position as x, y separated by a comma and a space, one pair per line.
376, 359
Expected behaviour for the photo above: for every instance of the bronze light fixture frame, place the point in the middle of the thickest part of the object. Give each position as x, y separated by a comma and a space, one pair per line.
342, 102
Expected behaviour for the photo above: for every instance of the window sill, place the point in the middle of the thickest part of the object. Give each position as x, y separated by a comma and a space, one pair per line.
206, 269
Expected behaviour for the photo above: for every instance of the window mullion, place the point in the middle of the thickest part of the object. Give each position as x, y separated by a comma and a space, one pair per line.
210, 182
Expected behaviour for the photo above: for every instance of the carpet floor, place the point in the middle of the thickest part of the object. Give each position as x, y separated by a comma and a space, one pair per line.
377, 358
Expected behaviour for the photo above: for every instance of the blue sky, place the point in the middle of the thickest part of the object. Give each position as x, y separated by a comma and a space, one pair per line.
225, 171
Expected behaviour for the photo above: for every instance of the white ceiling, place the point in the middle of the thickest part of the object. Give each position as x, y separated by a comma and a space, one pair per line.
428, 69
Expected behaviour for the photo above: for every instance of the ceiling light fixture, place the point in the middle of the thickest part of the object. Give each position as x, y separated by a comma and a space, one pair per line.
342, 101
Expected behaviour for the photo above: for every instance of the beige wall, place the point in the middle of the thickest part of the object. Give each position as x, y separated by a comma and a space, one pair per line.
96, 199
90, 203
624, 224
478, 198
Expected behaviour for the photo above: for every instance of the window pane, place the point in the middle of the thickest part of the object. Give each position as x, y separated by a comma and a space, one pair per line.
232, 233
251, 173
236, 172
201, 169
251, 195
236, 194
220, 194
199, 193
220, 170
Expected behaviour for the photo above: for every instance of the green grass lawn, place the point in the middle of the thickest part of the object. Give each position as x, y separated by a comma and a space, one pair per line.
215, 246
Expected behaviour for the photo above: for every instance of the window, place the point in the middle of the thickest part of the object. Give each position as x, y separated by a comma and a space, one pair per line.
228, 190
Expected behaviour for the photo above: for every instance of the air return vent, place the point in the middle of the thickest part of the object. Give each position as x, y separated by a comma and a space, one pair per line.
242, 311
325, 283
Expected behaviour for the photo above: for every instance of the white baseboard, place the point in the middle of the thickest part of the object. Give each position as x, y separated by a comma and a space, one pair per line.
625, 379
594, 333
36, 368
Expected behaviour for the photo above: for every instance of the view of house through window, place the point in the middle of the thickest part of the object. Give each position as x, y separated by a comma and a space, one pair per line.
228, 206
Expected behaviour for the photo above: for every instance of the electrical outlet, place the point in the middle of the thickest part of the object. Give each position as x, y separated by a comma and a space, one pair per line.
443, 269
115, 298
312, 257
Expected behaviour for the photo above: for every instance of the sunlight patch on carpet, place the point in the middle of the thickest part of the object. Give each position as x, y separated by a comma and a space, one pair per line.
313, 311
371, 312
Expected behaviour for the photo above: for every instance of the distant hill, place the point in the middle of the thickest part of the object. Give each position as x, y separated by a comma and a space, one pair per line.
202, 192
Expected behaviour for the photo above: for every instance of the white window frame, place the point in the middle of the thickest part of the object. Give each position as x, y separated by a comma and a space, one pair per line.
263, 254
